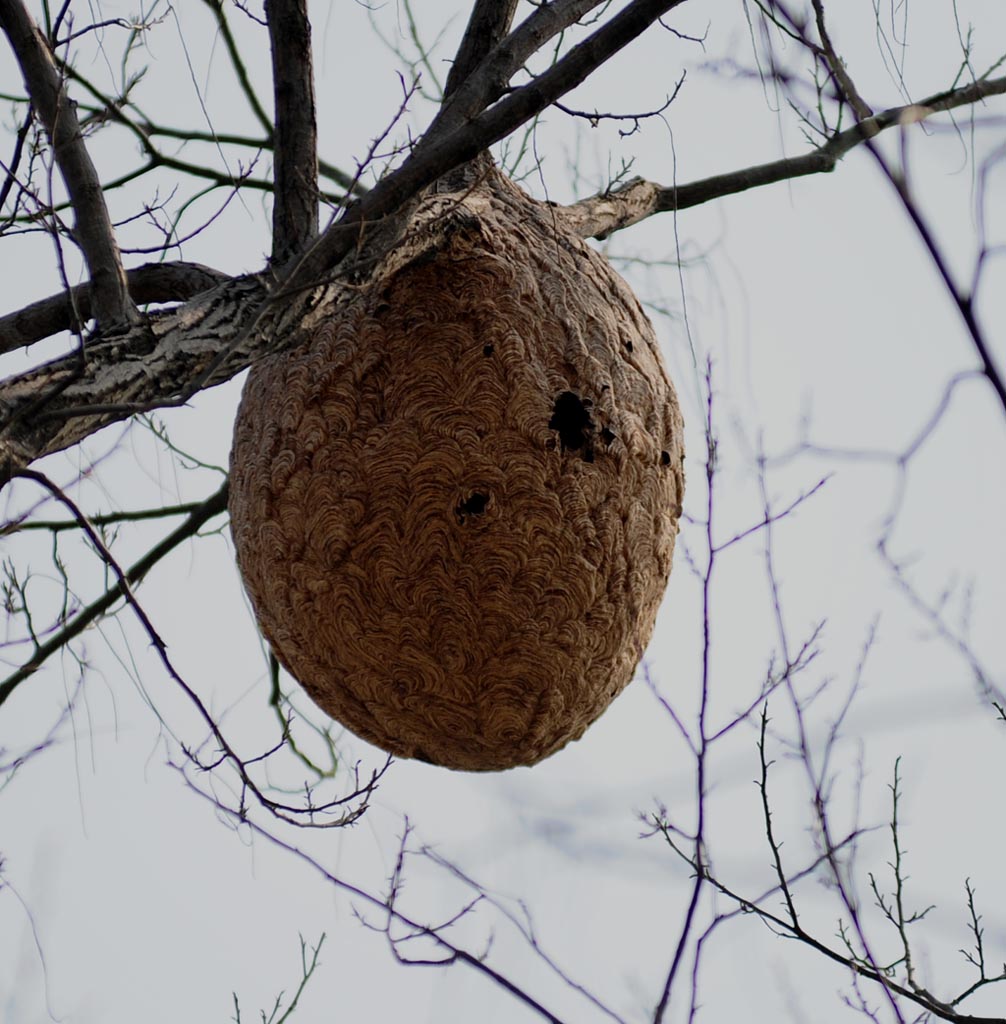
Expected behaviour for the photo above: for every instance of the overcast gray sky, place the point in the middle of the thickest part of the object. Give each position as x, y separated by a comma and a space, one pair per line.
126, 897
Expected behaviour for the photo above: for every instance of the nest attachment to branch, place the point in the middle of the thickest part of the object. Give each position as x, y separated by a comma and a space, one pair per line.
455, 509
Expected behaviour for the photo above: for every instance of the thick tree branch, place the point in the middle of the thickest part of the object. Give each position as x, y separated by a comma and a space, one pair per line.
159, 363
489, 23
601, 215
295, 141
222, 331
486, 83
439, 153
111, 304
153, 282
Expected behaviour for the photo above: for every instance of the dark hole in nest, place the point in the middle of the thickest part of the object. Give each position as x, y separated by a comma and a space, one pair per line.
487, 350
572, 419
665, 458
607, 435
628, 346
474, 505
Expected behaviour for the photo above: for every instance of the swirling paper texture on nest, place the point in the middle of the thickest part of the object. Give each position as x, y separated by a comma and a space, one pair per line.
455, 508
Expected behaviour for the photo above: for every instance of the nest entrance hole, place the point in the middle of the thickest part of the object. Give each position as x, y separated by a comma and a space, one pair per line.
571, 418
474, 505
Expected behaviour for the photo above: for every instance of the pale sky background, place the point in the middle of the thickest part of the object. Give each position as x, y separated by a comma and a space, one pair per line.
127, 898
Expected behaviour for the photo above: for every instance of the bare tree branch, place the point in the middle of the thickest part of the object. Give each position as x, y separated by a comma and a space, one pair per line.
484, 85
153, 282
328, 170
214, 505
26, 524
601, 215
113, 308
863, 970
206, 344
62, 402
837, 67
238, 63
899, 179
307, 815
224, 330
965, 303
125, 112
454, 953
223, 324
441, 151
295, 139
488, 24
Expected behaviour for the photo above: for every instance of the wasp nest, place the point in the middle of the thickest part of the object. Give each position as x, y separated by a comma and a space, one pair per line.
455, 508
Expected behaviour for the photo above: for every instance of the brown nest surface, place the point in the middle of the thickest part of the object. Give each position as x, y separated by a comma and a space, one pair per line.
455, 509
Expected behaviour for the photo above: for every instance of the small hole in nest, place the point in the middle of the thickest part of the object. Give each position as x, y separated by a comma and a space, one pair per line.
474, 505
607, 435
665, 458
628, 346
571, 418
487, 350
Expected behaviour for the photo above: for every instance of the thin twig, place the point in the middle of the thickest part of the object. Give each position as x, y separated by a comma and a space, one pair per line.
214, 505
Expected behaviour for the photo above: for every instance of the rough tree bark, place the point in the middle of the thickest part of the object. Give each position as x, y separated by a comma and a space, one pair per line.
130, 362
